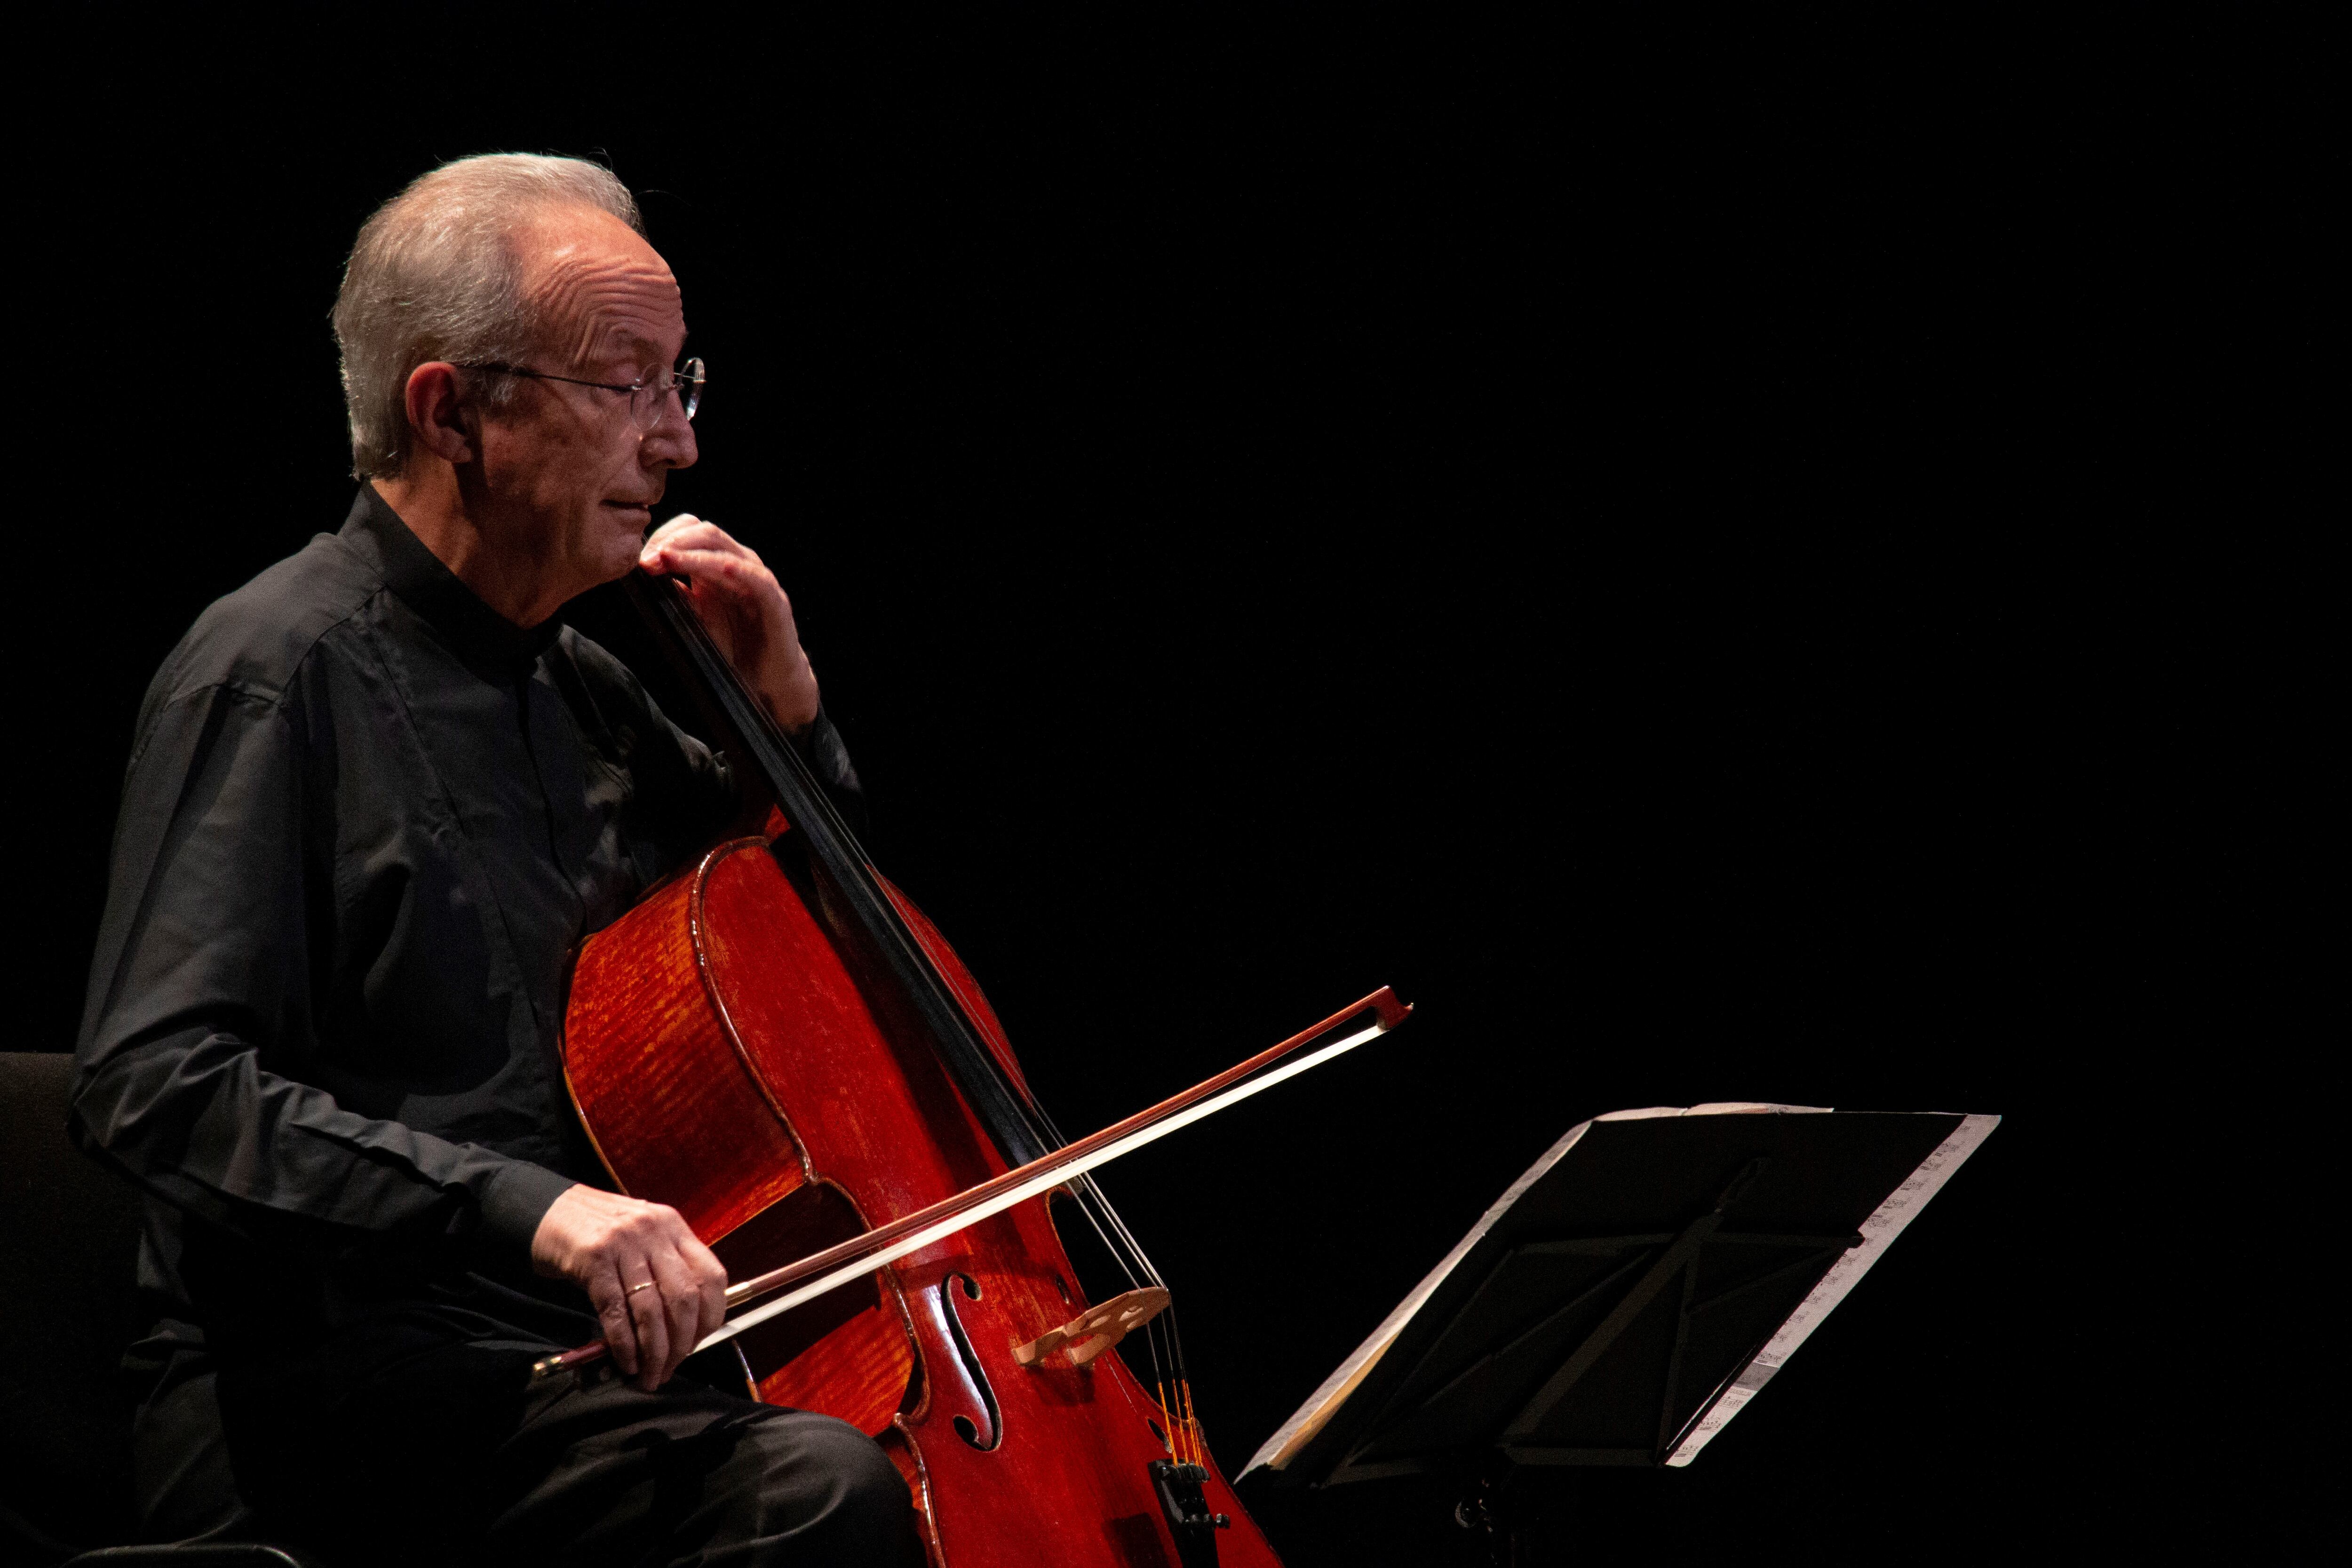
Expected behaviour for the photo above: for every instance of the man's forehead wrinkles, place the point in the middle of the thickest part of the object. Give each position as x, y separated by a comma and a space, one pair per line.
570, 271
617, 322
584, 291
566, 270
604, 304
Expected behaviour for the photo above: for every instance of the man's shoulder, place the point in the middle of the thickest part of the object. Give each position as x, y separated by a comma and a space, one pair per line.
617, 700
258, 638
598, 665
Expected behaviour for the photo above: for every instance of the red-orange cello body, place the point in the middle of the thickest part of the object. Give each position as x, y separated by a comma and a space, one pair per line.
728, 1061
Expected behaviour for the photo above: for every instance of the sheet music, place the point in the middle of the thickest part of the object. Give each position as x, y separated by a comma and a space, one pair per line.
1901, 1208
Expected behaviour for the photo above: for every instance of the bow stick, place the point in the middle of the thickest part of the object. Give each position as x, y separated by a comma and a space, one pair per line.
887, 1244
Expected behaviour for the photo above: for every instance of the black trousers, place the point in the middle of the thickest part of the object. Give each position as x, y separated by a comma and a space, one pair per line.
412, 1447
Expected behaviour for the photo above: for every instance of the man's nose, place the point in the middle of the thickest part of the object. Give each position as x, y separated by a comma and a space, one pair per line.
670, 443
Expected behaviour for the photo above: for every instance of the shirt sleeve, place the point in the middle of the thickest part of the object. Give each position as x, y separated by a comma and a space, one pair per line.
199, 1013
688, 789
828, 758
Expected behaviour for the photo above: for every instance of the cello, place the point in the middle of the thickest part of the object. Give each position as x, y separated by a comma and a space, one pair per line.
778, 1044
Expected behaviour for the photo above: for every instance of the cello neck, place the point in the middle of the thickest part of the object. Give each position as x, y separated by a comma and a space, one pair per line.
861, 914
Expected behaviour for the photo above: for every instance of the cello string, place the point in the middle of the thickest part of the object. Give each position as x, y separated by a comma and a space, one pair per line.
1109, 1245
880, 917
885, 922
1056, 1170
1151, 1331
1178, 1339
1097, 1207
958, 1216
1119, 1240
1151, 1344
1129, 1258
1159, 1326
759, 726
1133, 1245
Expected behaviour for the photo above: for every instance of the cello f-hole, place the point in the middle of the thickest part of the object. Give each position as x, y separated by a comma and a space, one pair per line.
966, 1428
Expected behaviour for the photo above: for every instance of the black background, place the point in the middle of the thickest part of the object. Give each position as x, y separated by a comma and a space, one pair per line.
1745, 561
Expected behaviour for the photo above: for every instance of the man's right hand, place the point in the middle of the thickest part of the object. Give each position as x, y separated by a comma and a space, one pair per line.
656, 1289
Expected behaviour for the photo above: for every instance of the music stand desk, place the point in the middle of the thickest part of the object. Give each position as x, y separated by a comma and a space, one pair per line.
1628, 1295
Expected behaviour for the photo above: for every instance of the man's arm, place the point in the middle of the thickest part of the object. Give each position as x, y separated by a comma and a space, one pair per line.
203, 984
204, 967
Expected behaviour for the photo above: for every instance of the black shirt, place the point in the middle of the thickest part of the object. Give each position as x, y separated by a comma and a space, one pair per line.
366, 819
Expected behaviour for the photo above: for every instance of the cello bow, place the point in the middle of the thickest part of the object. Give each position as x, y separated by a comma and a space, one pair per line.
886, 1243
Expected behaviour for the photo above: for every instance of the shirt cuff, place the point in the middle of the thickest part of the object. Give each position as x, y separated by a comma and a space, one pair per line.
806, 741
825, 752
514, 1202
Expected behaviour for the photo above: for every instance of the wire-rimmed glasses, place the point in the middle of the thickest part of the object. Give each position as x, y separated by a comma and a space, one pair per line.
647, 394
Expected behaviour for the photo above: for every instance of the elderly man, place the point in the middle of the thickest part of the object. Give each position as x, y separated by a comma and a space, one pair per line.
375, 796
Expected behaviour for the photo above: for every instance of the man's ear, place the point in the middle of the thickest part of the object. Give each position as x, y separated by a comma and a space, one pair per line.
443, 423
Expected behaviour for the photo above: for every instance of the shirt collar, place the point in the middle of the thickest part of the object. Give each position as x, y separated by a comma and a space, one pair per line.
434, 592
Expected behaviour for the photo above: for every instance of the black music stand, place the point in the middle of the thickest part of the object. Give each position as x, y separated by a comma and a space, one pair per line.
1626, 1297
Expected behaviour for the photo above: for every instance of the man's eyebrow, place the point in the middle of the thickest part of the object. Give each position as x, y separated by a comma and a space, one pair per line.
624, 340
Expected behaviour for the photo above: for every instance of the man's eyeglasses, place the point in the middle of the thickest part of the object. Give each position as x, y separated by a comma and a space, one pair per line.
647, 394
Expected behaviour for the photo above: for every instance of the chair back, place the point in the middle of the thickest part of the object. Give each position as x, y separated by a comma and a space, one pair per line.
68, 1246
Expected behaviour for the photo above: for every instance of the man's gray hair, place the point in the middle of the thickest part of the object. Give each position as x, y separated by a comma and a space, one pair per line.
436, 275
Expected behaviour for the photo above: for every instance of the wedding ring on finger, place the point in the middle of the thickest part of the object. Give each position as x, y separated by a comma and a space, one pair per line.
635, 1288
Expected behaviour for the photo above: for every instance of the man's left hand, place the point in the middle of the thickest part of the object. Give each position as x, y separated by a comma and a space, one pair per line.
744, 608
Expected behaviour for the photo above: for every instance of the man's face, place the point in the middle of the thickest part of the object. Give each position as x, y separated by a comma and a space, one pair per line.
565, 473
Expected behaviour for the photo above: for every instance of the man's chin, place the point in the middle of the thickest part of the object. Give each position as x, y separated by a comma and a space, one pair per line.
621, 537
